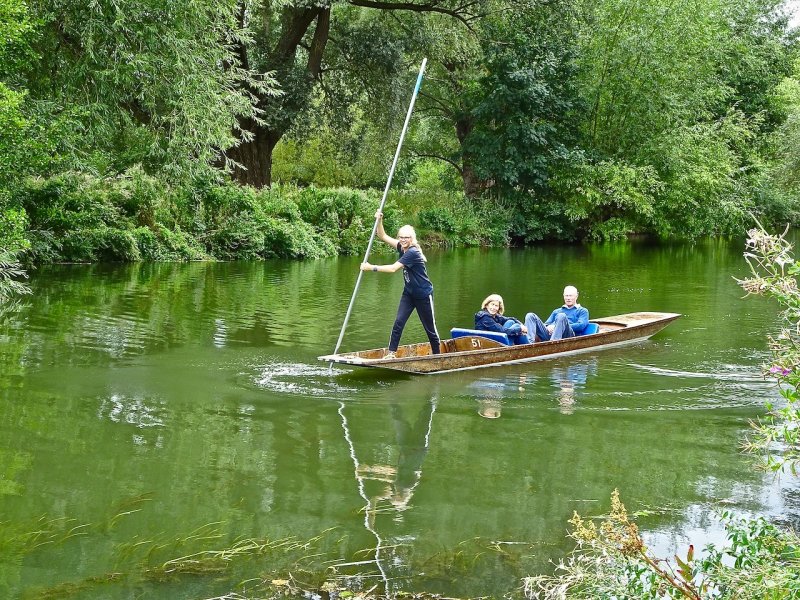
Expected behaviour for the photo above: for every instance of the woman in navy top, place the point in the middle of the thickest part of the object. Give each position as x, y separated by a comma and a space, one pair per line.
491, 318
418, 289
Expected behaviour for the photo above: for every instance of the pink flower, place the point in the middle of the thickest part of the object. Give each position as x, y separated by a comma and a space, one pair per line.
779, 370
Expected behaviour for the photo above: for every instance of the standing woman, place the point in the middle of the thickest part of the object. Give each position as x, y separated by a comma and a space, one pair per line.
418, 290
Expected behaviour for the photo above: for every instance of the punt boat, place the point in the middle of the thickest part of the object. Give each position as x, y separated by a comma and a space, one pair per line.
473, 349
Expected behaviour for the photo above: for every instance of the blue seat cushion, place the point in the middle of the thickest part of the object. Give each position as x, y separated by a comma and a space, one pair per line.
590, 329
457, 332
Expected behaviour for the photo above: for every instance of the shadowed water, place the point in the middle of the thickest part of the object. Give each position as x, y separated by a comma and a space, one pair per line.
141, 403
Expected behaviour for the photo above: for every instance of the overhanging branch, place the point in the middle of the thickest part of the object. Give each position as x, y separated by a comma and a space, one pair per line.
462, 12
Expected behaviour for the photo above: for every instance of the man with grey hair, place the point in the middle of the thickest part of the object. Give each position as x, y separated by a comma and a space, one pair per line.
564, 322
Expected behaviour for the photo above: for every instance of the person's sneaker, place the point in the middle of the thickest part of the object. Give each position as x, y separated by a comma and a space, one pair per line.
390, 355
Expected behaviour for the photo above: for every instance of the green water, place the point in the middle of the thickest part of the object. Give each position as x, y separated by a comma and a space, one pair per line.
140, 404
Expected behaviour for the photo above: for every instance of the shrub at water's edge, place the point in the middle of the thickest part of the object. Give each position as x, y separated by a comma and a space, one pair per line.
12, 243
759, 560
73, 217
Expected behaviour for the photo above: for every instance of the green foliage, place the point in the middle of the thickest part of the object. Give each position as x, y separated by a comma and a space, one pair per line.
151, 83
12, 230
525, 96
355, 155
12, 244
452, 220
70, 201
586, 121
759, 561
609, 199
11, 272
17, 153
162, 244
612, 561
134, 217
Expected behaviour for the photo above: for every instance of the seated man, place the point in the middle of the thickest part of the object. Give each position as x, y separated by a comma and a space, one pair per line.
564, 322
491, 318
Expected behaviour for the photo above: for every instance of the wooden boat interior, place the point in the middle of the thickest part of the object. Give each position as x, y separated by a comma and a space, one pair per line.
462, 344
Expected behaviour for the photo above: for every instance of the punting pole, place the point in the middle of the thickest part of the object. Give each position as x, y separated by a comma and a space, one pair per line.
383, 201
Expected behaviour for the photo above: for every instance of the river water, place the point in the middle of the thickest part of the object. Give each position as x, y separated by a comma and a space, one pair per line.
155, 412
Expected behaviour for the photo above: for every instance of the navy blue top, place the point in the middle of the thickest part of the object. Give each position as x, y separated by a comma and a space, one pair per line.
485, 321
415, 274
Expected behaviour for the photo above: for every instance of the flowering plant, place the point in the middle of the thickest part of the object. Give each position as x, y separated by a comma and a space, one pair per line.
774, 272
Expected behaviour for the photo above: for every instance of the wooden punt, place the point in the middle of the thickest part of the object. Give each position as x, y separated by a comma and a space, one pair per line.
476, 352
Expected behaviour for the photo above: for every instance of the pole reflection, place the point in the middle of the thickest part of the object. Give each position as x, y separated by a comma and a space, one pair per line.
388, 487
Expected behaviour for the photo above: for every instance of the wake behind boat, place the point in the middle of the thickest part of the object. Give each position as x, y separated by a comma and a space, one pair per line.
477, 350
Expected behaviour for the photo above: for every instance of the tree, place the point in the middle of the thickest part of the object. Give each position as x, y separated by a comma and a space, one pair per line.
292, 38
15, 27
505, 89
153, 82
681, 93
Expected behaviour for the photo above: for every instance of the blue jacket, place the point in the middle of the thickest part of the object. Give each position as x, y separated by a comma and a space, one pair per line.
486, 322
577, 315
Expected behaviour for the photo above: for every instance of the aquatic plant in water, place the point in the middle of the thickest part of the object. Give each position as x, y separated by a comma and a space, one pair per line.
759, 560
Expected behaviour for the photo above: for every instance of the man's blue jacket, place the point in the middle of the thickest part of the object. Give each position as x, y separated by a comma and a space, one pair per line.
577, 315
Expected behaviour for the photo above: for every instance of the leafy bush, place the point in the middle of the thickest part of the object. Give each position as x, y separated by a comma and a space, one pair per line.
75, 217
70, 201
344, 216
612, 561
12, 230
163, 244
604, 200
456, 221
100, 244
239, 236
295, 239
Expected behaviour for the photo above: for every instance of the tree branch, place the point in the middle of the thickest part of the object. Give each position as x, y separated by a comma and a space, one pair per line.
449, 161
318, 43
461, 12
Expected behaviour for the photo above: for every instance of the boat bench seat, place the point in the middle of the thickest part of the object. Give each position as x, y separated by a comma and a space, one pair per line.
457, 332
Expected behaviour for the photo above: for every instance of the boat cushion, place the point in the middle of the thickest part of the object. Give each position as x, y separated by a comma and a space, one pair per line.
590, 329
457, 332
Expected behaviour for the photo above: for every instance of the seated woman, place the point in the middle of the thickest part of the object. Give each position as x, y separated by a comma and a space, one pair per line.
491, 318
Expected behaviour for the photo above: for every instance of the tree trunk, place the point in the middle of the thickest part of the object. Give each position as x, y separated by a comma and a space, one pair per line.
255, 155
474, 186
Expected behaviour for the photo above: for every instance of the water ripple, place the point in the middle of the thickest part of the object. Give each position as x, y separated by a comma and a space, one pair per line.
720, 373
300, 379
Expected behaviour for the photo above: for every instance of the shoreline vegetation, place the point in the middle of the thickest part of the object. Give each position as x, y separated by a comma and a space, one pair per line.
74, 218
77, 218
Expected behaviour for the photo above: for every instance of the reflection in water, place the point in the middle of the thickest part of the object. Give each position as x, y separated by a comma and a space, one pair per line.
570, 380
389, 488
489, 395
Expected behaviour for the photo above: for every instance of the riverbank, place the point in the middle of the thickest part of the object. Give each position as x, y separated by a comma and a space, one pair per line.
76, 218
